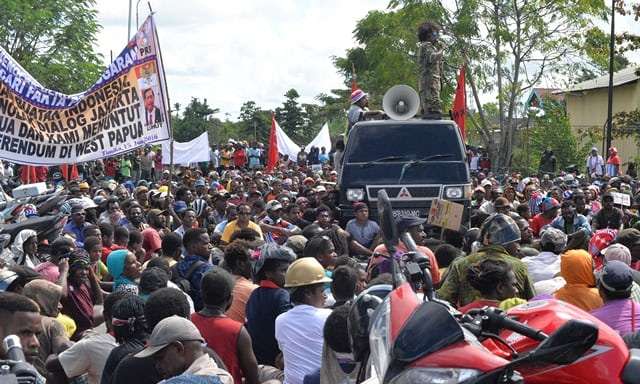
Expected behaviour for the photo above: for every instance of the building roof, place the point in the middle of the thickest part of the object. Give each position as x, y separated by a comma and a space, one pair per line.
624, 76
538, 95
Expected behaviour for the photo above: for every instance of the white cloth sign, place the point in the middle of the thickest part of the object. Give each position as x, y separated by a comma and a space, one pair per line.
286, 146
194, 151
322, 139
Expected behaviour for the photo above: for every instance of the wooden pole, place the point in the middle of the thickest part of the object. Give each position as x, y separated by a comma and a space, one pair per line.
168, 106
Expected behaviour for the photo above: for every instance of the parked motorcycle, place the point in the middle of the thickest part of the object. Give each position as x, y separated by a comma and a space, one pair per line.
427, 341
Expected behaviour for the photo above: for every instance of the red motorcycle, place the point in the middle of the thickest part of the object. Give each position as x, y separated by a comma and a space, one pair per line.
416, 341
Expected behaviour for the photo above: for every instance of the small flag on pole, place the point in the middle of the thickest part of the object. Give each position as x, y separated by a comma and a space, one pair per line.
354, 83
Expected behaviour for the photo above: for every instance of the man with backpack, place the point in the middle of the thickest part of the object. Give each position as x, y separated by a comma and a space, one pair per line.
188, 272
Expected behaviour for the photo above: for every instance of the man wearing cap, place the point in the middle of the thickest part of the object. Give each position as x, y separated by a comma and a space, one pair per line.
363, 231
176, 345
276, 229
619, 311
477, 199
414, 226
609, 216
299, 331
359, 110
548, 211
546, 265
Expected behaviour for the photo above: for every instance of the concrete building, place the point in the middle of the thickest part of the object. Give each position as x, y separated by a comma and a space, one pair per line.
586, 105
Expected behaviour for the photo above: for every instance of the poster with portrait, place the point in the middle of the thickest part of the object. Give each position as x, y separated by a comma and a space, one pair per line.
125, 109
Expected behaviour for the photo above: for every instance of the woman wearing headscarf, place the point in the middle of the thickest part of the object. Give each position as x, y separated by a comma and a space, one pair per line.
125, 269
25, 248
80, 291
599, 241
53, 338
576, 267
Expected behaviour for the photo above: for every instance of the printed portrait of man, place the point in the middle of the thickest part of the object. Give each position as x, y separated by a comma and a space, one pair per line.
152, 113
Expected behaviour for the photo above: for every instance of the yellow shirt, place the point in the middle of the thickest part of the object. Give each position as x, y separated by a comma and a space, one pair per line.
232, 227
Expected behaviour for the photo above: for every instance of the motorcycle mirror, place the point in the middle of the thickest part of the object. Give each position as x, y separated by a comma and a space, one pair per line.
567, 344
387, 223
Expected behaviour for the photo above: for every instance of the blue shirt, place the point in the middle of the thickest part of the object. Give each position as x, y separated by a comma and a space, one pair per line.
72, 228
580, 223
263, 306
196, 277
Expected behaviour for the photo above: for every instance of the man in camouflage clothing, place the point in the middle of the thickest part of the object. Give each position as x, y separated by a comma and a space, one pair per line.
500, 236
430, 63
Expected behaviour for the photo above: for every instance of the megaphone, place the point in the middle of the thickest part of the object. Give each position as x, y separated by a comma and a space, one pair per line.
401, 102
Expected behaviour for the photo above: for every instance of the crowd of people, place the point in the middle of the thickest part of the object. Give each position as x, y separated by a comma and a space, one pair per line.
227, 273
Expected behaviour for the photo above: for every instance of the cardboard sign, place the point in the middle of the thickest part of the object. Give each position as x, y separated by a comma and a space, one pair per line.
621, 199
445, 214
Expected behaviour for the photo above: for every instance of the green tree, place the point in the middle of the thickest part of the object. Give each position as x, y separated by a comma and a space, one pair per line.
291, 116
255, 122
195, 120
506, 46
53, 40
547, 130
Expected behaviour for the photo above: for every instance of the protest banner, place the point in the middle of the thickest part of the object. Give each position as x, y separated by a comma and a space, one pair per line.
445, 214
621, 199
125, 109
194, 151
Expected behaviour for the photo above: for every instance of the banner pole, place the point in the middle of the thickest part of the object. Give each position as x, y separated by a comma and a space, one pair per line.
169, 122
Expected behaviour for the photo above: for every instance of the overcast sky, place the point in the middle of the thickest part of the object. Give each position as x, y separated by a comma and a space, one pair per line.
232, 52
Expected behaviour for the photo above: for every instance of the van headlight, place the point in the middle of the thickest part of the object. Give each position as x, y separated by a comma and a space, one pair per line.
454, 192
355, 194
435, 375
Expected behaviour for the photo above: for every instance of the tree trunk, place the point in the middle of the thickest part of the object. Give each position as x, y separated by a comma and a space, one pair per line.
498, 62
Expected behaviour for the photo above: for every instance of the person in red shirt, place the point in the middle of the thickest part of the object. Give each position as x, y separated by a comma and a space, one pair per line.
227, 337
549, 208
240, 157
495, 281
110, 168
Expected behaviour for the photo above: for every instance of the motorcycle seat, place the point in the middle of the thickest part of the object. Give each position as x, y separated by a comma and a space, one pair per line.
631, 371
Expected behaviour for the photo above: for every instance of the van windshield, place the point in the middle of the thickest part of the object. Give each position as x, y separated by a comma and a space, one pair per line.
404, 142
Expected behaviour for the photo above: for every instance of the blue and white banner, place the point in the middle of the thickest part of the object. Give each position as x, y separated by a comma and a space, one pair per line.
125, 109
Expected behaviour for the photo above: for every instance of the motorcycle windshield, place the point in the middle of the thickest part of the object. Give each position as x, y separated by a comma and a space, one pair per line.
430, 328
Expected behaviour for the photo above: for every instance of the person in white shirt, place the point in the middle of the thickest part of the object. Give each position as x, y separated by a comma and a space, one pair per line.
299, 331
595, 164
546, 265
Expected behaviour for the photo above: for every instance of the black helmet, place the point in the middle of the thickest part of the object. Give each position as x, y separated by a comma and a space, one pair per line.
360, 315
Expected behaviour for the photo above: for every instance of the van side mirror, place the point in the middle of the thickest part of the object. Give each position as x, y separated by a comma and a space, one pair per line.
567, 344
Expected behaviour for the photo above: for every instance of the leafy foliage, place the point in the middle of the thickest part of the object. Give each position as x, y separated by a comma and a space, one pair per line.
254, 122
53, 40
194, 121
549, 131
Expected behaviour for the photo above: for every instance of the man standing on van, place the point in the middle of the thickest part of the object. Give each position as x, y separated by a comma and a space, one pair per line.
430, 67
359, 109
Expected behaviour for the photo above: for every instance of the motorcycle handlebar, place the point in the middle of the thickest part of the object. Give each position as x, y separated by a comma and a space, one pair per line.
503, 321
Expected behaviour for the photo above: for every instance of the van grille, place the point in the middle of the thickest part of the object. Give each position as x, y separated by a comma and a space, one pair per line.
415, 192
